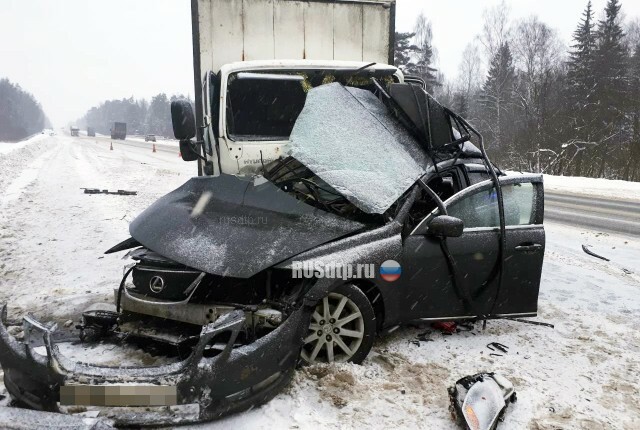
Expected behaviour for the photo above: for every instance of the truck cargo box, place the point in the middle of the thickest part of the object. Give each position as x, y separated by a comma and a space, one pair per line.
225, 31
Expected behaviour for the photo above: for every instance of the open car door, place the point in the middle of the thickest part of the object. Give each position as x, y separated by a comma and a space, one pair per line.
428, 278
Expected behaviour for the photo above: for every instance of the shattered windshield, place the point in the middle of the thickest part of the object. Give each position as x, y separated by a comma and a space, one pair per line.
349, 139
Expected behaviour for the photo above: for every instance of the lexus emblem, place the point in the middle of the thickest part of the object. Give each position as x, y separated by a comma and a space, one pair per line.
156, 284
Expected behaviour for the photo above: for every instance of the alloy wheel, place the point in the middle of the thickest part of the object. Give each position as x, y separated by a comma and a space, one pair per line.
335, 332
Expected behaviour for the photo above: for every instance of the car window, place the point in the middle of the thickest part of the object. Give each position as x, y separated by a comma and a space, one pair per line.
481, 209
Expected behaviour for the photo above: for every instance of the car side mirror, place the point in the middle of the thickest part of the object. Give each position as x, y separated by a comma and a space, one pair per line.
187, 150
446, 226
183, 120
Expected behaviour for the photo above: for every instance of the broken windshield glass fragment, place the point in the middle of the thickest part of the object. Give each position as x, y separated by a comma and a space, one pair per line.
349, 139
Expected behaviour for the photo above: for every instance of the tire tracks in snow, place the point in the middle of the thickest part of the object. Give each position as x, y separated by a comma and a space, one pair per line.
53, 235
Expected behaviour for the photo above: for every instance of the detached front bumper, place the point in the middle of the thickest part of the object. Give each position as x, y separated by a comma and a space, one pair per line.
195, 389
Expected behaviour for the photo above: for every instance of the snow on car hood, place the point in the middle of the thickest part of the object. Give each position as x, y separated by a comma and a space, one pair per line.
349, 139
230, 226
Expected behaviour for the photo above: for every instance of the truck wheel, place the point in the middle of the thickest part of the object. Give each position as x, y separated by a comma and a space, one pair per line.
342, 328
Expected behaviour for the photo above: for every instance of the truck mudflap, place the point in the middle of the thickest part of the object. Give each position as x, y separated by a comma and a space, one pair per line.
199, 388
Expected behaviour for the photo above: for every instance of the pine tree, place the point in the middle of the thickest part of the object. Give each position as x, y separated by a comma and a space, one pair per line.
461, 103
581, 86
610, 66
497, 97
423, 54
632, 168
581, 59
403, 50
20, 113
159, 115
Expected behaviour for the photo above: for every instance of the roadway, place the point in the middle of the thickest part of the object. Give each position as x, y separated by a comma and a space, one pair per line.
596, 213
591, 212
134, 142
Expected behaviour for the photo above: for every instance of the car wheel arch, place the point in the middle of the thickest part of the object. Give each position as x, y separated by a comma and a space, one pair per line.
368, 288
375, 297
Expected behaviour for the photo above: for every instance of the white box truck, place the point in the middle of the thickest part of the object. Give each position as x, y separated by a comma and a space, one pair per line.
254, 61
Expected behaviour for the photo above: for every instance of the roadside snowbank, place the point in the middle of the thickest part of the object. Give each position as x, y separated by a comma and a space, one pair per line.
608, 188
6, 147
16, 157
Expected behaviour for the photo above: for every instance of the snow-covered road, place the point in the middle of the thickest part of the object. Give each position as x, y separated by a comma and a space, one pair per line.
52, 235
582, 374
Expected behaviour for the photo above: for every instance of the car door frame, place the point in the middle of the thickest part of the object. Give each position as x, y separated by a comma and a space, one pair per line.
536, 222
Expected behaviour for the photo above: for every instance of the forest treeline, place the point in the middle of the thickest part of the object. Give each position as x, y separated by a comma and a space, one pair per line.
141, 116
20, 114
543, 106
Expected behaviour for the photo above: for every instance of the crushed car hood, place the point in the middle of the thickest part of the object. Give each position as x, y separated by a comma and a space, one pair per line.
233, 226
349, 138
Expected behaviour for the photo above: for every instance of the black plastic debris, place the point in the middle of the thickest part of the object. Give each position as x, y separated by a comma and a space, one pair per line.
493, 346
421, 337
424, 337
119, 192
586, 249
531, 322
479, 401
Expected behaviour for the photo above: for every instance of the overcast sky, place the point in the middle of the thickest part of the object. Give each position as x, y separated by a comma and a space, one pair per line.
73, 54
456, 22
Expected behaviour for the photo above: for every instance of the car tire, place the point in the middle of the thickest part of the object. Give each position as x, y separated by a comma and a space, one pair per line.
342, 328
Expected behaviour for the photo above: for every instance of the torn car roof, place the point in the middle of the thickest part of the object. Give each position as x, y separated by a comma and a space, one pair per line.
348, 138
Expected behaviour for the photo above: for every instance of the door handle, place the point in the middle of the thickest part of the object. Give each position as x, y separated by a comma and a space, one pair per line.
528, 247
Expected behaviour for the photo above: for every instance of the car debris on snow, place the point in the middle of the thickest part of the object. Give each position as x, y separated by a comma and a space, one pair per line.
117, 193
493, 346
446, 327
586, 249
25, 419
480, 401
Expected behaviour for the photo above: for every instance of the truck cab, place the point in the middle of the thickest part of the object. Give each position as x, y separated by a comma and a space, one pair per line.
254, 63
250, 107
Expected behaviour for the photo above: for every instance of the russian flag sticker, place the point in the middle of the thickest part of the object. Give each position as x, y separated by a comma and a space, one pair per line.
390, 270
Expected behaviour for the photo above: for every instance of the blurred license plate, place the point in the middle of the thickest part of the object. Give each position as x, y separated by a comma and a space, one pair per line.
118, 395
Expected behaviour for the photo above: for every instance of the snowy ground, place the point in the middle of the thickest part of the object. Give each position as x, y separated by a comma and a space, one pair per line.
582, 374
6, 147
612, 189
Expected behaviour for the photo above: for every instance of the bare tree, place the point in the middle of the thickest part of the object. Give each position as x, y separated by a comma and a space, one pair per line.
424, 55
632, 34
537, 55
469, 80
495, 29
536, 47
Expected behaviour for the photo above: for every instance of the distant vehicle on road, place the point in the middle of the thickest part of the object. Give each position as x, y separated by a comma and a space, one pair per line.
75, 131
91, 132
150, 138
119, 130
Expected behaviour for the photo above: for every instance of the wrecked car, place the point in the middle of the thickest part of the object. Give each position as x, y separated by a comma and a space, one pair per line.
335, 201
221, 274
